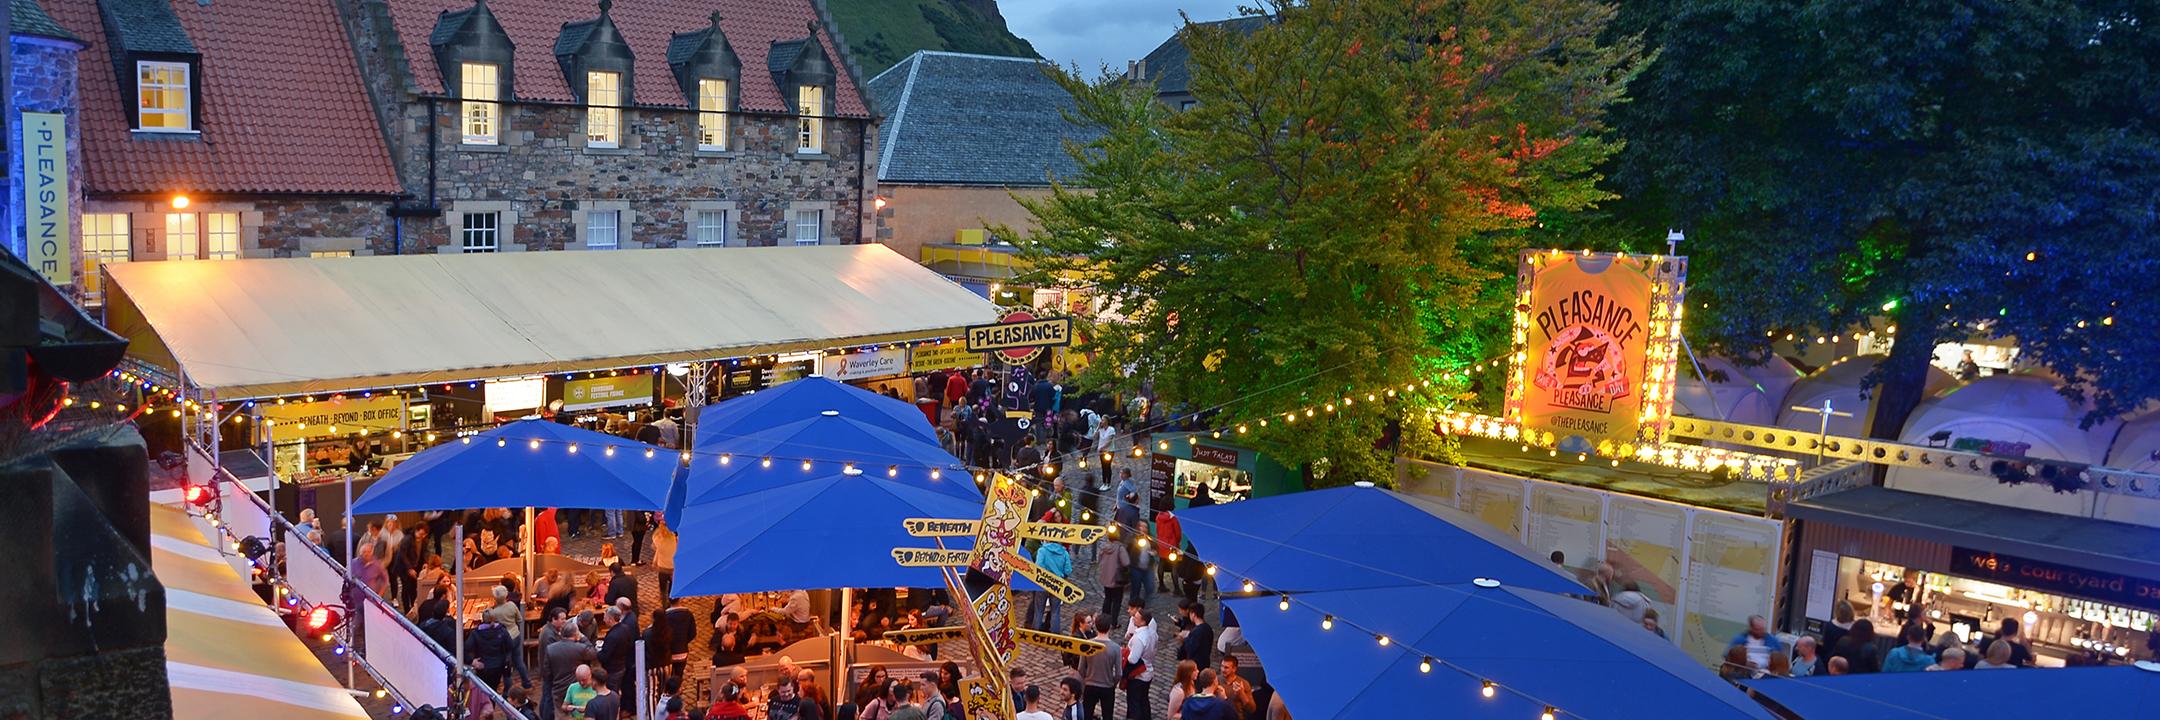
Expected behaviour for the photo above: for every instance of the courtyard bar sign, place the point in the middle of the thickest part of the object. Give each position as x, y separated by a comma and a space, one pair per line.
45, 196
1019, 336
1595, 348
2050, 577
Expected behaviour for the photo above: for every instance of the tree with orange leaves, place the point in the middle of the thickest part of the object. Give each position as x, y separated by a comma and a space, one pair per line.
1339, 213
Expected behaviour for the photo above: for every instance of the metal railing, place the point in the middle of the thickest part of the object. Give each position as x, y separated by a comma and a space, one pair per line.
1885, 452
232, 489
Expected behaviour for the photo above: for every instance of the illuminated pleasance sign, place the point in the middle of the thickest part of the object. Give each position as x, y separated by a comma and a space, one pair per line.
1019, 336
1596, 344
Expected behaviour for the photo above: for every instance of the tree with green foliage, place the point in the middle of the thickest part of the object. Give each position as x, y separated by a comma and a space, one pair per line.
1946, 167
1340, 213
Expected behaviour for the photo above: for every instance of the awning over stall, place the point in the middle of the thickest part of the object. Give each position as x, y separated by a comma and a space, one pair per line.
256, 328
2121, 548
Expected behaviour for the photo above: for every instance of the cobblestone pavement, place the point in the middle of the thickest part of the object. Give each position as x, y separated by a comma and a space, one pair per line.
1042, 665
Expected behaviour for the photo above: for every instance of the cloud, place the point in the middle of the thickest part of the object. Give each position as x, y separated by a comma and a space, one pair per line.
1098, 33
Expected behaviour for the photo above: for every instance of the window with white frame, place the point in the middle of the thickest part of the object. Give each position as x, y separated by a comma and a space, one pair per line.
712, 115
221, 236
810, 104
603, 229
329, 253
809, 227
183, 237
163, 102
482, 232
105, 240
712, 228
481, 111
603, 117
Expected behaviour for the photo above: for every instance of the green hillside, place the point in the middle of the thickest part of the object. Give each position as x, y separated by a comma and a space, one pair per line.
882, 32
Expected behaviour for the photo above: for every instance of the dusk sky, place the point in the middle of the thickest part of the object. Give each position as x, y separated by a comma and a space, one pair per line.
1094, 33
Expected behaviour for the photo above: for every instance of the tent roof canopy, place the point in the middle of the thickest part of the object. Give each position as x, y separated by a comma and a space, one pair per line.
259, 328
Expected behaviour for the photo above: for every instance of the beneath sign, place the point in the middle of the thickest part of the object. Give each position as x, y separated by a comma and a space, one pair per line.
939, 527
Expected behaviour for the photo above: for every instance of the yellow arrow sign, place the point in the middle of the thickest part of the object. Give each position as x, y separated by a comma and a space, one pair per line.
939, 527
926, 557
925, 636
985, 698
1054, 641
1064, 589
1067, 533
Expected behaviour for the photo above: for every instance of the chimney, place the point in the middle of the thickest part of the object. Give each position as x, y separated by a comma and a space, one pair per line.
1142, 68
1132, 69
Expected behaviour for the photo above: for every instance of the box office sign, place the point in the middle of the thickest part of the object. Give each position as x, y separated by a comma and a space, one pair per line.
1595, 347
865, 364
2050, 577
600, 392
329, 418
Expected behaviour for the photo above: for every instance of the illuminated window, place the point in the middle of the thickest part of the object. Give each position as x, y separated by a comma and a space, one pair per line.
810, 104
603, 229
712, 115
712, 228
105, 240
183, 237
482, 113
221, 236
162, 101
809, 227
603, 117
330, 253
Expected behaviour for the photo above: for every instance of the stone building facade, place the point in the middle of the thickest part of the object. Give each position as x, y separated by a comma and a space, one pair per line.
522, 171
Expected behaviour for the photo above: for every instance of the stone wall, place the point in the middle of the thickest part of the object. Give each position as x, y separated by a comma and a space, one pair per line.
43, 80
543, 178
282, 226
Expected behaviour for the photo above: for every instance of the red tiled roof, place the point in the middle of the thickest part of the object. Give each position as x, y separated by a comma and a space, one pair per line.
751, 27
283, 110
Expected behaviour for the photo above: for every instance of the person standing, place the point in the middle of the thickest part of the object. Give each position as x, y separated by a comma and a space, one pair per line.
606, 703
1197, 641
1203, 705
505, 612
1075, 708
1111, 561
640, 523
618, 647
1139, 660
1233, 688
369, 572
580, 692
1857, 649
1034, 709
1181, 687
1054, 559
559, 662
1912, 656
2020, 656
491, 649
1105, 437
1757, 640
1100, 672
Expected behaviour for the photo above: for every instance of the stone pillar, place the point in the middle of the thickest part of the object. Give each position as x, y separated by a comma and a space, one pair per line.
43, 79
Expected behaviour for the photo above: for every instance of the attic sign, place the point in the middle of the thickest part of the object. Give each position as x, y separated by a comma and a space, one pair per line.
1019, 336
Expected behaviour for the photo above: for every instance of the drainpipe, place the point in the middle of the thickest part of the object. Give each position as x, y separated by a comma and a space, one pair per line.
862, 183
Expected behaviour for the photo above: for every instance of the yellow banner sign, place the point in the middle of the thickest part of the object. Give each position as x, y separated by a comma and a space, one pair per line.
600, 392
943, 356
1053, 641
939, 527
1067, 533
925, 636
1586, 325
1064, 589
926, 557
1003, 513
330, 418
985, 698
48, 237
994, 619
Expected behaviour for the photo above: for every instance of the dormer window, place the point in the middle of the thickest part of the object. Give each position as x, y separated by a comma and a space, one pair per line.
603, 114
810, 131
482, 115
164, 97
712, 114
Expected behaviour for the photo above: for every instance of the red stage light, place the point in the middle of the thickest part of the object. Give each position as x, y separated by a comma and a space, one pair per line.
200, 495
324, 618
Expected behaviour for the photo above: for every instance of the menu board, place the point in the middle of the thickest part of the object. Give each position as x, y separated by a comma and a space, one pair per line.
1732, 565
1643, 541
1569, 520
1497, 500
1428, 480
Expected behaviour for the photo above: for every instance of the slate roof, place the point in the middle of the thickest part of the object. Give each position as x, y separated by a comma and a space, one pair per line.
1166, 63
957, 119
648, 26
783, 54
573, 36
448, 23
282, 111
683, 45
144, 26
27, 18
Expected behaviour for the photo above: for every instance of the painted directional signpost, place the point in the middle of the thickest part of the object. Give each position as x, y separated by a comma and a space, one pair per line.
983, 575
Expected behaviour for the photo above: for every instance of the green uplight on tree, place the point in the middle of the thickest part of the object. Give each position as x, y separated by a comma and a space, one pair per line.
1890, 306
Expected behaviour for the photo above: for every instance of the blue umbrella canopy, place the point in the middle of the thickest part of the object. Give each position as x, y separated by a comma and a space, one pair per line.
1361, 537
830, 440
2123, 691
787, 402
1540, 649
834, 529
528, 463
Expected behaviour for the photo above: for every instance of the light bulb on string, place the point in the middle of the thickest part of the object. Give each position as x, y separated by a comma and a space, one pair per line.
1283, 604
765, 463
1248, 586
806, 466
935, 473
1488, 689
1327, 622
726, 458
892, 471
1548, 714
648, 453
499, 442
1211, 570
1383, 639
1425, 665
573, 448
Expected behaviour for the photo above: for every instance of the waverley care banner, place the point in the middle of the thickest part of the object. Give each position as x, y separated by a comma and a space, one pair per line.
45, 196
889, 360
1595, 348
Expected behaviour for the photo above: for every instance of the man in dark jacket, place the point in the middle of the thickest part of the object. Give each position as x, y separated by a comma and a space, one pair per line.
489, 647
559, 662
621, 585
1198, 644
682, 630
618, 650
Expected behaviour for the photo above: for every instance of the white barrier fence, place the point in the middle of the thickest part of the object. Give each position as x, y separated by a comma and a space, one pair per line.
404, 660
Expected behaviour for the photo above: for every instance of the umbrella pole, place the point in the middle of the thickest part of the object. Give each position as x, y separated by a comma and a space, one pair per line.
350, 677
457, 599
840, 650
531, 563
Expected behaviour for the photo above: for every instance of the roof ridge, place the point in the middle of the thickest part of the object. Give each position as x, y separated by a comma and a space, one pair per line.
895, 66
899, 115
979, 56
